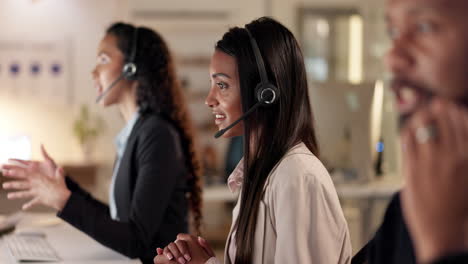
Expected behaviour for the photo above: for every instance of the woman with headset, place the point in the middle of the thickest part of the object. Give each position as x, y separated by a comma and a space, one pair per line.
156, 173
288, 210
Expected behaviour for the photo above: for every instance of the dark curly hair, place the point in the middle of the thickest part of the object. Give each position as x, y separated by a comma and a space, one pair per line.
159, 91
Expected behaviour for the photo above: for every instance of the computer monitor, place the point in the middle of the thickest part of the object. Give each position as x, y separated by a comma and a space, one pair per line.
16, 146
349, 122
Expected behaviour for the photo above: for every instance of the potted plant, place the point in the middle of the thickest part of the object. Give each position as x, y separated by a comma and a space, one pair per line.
86, 128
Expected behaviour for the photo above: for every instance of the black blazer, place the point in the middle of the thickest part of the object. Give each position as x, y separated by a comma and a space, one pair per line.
392, 242
150, 194
461, 258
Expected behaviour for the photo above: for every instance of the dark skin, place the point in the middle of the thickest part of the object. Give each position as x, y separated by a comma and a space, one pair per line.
434, 199
429, 56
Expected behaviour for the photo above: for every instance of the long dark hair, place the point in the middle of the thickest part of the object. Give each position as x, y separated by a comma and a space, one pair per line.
159, 91
270, 131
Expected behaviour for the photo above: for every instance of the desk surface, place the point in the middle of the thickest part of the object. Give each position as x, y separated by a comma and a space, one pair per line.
72, 245
221, 193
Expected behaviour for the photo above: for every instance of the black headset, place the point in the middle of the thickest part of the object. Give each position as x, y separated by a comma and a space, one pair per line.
129, 69
266, 93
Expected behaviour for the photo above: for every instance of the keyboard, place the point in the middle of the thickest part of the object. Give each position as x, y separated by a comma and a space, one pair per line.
31, 247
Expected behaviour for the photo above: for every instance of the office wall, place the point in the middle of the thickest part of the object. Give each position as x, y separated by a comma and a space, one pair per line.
80, 24
243, 11
286, 11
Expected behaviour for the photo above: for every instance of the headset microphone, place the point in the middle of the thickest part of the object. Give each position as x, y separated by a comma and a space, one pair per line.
224, 130
266, 93
129, 69
106, 91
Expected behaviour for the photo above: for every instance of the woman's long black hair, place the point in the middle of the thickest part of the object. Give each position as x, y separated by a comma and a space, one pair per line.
271, 130
159, 91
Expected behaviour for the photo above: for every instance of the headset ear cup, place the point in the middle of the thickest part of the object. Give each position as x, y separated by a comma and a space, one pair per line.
266, 94
129, 71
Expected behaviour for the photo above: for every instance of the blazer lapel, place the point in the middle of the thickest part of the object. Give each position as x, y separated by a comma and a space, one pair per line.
125, 176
